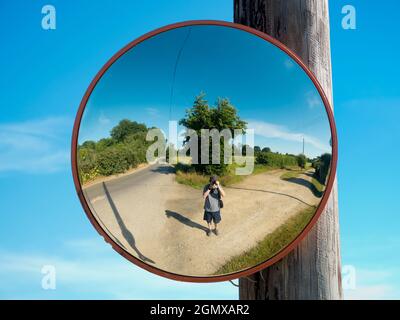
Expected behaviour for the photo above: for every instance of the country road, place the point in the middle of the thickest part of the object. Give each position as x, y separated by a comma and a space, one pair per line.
160, 221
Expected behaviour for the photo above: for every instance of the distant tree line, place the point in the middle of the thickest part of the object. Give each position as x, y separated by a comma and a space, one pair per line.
274, 159
321, 164
124, 149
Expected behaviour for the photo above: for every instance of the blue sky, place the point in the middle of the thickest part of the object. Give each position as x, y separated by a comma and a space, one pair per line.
44, 76
283, 106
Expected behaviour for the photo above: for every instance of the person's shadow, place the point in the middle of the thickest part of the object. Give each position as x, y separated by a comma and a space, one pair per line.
184, 220
125, 232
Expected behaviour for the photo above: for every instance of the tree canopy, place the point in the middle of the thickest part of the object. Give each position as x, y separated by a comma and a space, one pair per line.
222, 115
125, 128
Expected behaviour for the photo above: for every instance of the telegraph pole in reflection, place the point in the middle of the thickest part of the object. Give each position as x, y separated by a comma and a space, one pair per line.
312, 270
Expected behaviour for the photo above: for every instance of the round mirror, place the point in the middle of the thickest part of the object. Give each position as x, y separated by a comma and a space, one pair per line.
204, 151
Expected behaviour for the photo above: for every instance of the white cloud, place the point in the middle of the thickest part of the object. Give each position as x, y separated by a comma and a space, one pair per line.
103, 120
373, 292
152, 112
392, 103
289, 64
38, 145
270, 130
313, 100
91, 269
373, 284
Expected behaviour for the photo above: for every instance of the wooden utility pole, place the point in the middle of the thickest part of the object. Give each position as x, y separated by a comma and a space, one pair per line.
312, 270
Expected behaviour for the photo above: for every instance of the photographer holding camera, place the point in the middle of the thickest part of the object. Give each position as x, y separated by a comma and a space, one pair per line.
212, 195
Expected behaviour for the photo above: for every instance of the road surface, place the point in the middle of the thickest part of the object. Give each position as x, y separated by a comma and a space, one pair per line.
160, 221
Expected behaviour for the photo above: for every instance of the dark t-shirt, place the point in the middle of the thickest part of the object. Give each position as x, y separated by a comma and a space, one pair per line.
211, 204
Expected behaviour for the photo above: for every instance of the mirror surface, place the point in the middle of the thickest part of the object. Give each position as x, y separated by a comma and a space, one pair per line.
146, 150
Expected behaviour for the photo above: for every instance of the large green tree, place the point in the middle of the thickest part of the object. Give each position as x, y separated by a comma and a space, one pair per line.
125, 128
223, 115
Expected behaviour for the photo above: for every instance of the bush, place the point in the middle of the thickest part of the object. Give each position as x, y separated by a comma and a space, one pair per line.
301, 161
126, 149
104, 144
322, 167
87, 164
113, 160
89, 145
137, 143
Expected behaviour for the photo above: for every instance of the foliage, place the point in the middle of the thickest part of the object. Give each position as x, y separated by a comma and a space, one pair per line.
125, 149
103, 144
276, 160
192, 179
221, 116
186, 174
91, 145
113, 160
125, 128
87, 163
322, 167
301, 161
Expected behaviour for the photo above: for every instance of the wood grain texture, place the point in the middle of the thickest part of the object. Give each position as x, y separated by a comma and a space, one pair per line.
312, 270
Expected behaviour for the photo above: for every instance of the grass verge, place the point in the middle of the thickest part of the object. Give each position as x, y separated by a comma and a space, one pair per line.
315, 186
271, 244
185, 175
291, 174
318, 185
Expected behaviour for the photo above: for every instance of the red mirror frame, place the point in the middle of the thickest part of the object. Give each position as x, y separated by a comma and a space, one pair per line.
238, 274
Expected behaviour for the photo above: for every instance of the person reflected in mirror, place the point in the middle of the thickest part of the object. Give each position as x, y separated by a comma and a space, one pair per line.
212, 195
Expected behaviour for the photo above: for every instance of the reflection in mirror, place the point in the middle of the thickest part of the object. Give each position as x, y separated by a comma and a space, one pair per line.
204, 150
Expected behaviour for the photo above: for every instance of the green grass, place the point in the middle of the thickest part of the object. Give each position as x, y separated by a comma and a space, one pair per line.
187, 176
259, 168
291, 174
191, 179
271, 244
318, 185
198, 181
315, 186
